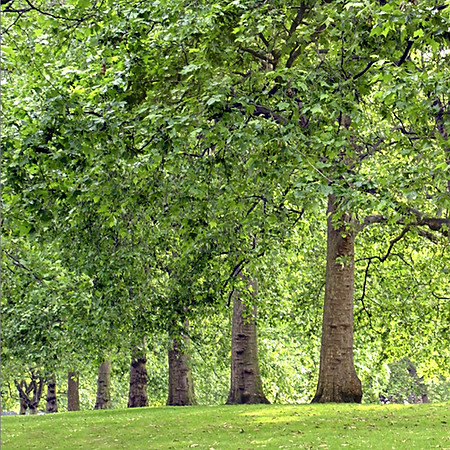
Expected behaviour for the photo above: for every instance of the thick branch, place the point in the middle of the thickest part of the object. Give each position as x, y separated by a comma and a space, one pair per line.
360, 74
259, 55
426, 234
405, 53
370, 220
22, 394
38, 393
433, 223
298, 19
269, 114
295, 53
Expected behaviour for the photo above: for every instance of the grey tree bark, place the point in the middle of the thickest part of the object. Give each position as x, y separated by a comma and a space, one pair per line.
246, 384
73, 393
103, 400
338, 381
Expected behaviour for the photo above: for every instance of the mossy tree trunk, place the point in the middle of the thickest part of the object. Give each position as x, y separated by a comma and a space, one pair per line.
103, 400
246, 384
338, 381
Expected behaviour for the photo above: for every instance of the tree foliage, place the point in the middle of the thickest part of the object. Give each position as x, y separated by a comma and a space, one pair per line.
153, 150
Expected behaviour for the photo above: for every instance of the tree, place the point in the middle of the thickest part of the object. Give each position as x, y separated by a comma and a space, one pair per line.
338, 381
51, 406
246, 385
44, 310
343, 144
104, 386
137, 396
30, 392
73, 392
181, 384
255, 112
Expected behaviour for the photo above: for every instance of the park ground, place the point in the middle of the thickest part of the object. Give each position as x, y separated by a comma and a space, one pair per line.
423, 426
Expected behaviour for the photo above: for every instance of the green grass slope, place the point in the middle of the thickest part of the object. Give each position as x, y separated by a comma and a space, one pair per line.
235, 427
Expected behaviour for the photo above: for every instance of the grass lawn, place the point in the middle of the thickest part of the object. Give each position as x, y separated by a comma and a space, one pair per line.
235, 427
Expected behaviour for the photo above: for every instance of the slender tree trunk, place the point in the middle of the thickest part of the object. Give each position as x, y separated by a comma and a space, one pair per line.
137, 396
423, 398
181, 385
338, 381
104, 386
73, 393
246, 385
51, 406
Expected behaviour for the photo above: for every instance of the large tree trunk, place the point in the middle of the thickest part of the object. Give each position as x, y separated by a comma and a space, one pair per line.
103, 386
137, 395
181, 386
338, 381
73, 393
51, 406
246, 384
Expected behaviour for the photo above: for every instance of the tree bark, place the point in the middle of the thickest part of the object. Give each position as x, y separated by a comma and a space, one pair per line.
246, 385
35, 388
338, 381
423, 398
442, 129
23, 406
22, 402
51, 406
73, 394
181, 386
137, 395
103, 386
